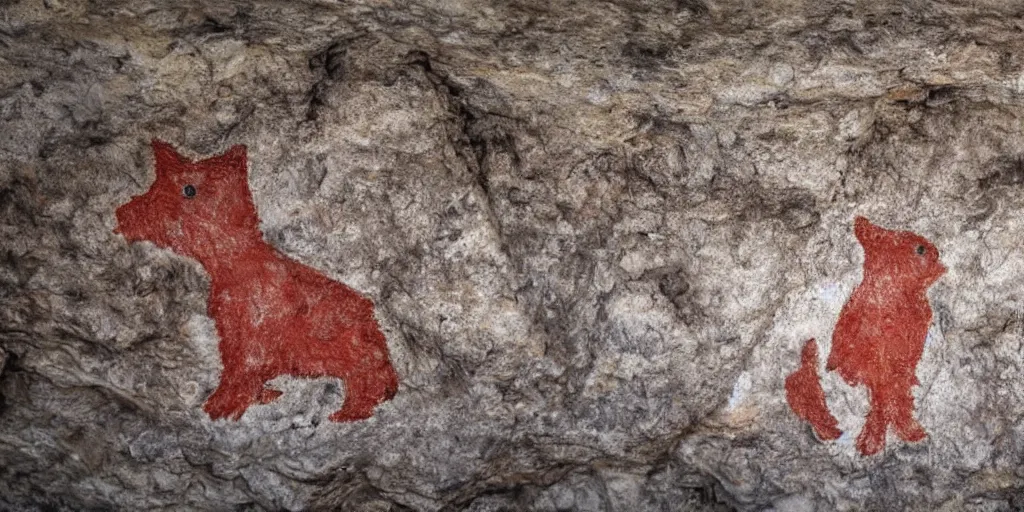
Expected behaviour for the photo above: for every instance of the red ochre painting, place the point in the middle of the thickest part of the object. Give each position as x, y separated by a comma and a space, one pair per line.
274, 315
877, 341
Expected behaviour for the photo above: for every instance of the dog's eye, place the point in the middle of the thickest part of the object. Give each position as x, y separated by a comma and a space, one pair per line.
189, 191
920, 250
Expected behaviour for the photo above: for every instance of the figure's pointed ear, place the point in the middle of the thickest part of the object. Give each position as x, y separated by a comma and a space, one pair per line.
864, 230
233, 162
166, 157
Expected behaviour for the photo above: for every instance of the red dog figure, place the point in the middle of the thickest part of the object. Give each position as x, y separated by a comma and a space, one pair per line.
274, 315
878, 340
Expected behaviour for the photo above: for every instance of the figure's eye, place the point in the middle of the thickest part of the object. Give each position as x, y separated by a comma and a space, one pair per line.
189, 191
920, 250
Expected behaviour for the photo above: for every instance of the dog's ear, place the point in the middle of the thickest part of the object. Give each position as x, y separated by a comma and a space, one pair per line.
233, 163
167, 159
866, 232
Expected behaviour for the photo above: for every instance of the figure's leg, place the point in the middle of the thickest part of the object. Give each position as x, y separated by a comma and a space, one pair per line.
236, 392
371, 382
903, 413
909, 429
872, 437
363, 391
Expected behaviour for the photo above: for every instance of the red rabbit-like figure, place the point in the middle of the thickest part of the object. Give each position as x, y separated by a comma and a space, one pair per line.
274, 315
878, 339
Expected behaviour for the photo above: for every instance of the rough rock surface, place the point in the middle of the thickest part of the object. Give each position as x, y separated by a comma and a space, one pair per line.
596, 233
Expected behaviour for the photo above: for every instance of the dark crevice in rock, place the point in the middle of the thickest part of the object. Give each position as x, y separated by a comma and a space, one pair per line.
328, 66
478, 135
1004, 171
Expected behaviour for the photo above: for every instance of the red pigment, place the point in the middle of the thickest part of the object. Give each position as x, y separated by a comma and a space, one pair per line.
807, 399
274, 315
878, 339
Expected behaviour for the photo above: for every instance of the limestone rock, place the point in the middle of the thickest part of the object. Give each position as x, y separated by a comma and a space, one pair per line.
596, 236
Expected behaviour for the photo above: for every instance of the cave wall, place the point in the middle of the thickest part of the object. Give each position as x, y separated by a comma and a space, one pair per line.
596, 236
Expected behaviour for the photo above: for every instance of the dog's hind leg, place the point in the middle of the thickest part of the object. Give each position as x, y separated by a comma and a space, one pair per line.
369, 379
363, 391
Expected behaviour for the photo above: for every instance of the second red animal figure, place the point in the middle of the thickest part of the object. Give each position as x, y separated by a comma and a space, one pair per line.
878, 339
274, 315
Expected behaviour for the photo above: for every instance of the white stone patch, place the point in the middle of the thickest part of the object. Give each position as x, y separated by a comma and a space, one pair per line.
1017, 84
781, 74
934, 336
841, 80
847, 439
794, 503
635, 311
855, 124
747, 94
189, 392
598, 95
455, 38
639, 261
203, 332
740, 391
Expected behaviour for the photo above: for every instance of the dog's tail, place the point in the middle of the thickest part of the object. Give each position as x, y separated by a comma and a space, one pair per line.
807, 399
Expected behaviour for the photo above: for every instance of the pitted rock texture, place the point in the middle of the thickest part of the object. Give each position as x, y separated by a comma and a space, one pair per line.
596, 234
